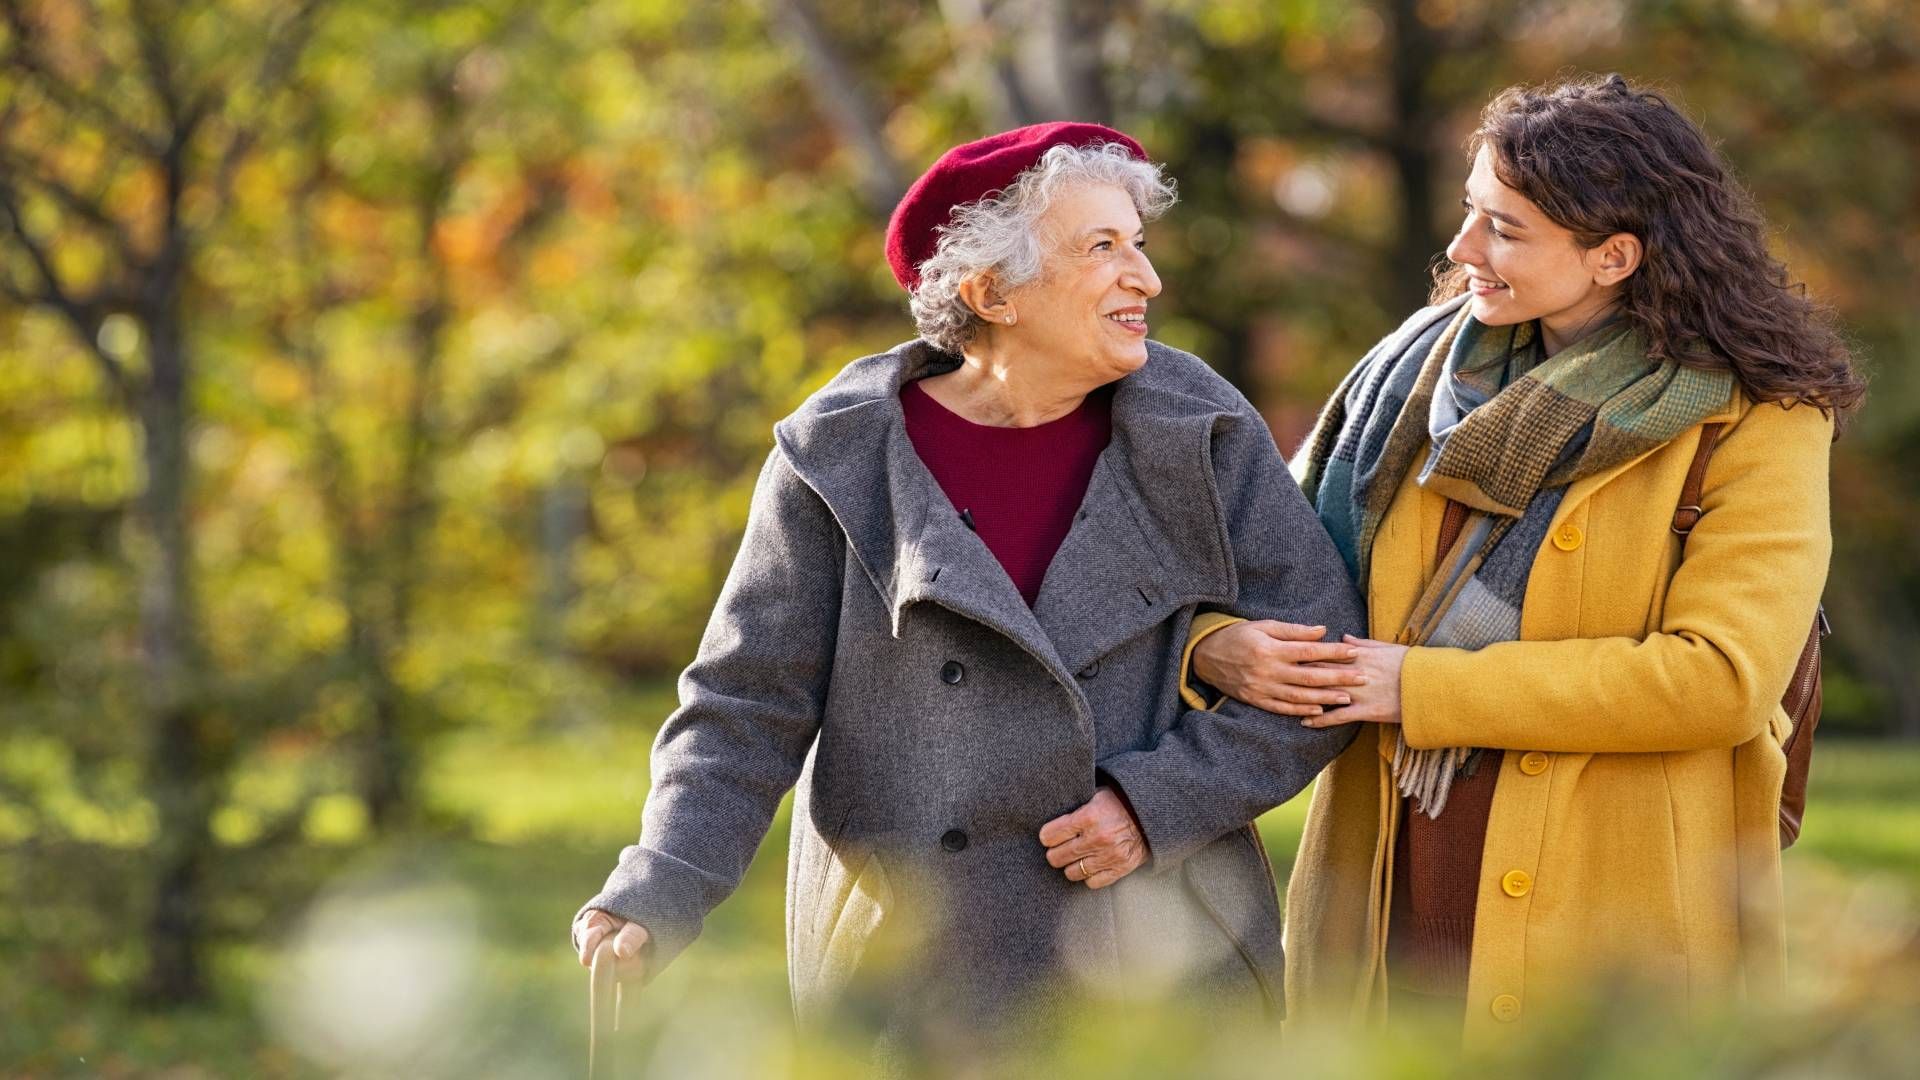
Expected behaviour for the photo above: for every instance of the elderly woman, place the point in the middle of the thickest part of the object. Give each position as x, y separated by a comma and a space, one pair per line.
956, 621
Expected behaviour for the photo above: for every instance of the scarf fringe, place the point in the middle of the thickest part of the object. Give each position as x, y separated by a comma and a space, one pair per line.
1426, 776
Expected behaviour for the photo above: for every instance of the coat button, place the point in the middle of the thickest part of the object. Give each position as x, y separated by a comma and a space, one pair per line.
1567, 537
1533, 763
953, 840
1506, 1008
1516, 883
951, 673
1090, 670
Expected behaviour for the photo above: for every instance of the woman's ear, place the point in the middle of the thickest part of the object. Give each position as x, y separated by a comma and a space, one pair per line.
982, 293
1615, 260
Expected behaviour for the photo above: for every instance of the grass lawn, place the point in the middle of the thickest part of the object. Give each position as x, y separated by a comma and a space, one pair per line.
448, 956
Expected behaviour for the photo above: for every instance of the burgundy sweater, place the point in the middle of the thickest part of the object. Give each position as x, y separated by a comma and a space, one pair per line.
1017, 487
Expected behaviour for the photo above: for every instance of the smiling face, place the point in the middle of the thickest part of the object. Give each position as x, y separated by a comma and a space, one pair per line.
1088, 308
1523, 266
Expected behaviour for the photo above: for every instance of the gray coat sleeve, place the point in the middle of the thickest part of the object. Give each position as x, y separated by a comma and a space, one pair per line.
1213, 772
750, 706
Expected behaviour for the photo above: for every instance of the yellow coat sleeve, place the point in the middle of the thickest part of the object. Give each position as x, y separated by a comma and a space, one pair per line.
1204, 623
1734, 621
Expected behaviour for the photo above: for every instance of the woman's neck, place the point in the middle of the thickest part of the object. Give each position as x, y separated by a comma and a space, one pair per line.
995, 389
1557, 334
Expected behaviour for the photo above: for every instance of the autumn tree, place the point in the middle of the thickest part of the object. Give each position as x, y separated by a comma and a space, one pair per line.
123, 129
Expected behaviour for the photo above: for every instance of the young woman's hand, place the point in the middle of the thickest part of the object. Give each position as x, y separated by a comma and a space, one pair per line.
1281, 667
1377, 701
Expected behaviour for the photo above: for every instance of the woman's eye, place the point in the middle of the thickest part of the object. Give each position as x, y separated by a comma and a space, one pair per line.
1467, 208
1104, 245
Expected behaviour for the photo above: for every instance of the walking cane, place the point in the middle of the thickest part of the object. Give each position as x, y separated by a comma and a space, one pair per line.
603, 1014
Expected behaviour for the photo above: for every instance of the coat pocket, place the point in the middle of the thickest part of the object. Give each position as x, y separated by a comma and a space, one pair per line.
853, 903
1236, 891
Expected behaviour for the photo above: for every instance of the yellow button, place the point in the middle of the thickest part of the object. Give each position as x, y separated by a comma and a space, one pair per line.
1567, 537
1533, 763
1516, 883
1506, 1008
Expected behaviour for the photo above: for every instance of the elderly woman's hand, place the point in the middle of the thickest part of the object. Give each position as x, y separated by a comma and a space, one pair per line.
629, 942
1100, 843
1278, 666
1377, 702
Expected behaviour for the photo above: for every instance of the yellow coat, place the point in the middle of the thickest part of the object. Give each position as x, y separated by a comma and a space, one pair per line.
1633, 829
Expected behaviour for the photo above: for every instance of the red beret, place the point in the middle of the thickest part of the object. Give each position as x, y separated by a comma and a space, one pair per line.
970, 172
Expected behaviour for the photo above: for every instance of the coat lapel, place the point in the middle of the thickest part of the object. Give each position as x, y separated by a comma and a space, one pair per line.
1583, 489
1149, 538
849, 443
941, 561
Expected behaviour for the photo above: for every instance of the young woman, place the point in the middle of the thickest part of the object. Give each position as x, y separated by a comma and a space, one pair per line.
1569, 766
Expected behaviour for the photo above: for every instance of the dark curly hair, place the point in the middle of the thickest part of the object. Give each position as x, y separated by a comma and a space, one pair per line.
1603, 156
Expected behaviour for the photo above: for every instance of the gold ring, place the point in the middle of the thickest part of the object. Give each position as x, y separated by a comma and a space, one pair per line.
1081, 862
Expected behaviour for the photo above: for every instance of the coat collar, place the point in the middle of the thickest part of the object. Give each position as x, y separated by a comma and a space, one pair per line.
1581, 490
1150, 535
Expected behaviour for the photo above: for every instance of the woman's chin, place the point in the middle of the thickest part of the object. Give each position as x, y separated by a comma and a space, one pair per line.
1489, 311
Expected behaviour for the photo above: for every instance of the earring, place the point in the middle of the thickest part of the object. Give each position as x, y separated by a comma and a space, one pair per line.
1009, 320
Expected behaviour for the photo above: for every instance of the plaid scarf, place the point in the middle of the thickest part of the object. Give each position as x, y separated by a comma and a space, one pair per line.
1509, 430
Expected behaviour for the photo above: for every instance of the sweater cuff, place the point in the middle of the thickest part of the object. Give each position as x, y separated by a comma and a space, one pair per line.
1196, 694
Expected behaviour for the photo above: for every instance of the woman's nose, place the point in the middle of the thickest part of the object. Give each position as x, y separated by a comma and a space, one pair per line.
1462, 249
1141, 277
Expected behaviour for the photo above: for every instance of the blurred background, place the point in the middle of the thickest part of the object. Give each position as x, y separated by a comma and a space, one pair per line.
382, 386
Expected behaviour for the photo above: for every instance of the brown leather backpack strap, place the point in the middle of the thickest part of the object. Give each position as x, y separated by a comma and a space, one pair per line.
1802, 703
1687, 514
1802, 699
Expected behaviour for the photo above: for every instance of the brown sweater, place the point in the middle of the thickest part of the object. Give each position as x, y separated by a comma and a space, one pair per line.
1436, 867
1436, 879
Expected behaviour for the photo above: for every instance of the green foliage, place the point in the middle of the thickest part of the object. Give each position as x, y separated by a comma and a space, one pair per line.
543, 815
637, 241
492, 319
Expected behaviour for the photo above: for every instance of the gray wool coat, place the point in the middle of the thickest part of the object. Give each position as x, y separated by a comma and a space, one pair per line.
868, 648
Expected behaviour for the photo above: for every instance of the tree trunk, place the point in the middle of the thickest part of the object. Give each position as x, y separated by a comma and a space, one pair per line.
565, 520
1410, 143
856, 116
181, 762
1206, 179
1066, 63
389, 766
990, 65
389, 787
